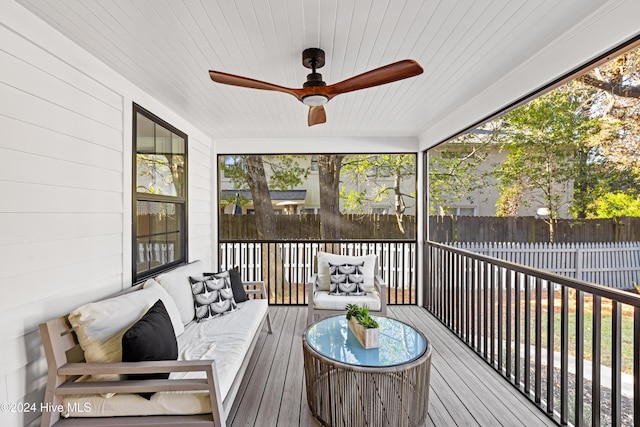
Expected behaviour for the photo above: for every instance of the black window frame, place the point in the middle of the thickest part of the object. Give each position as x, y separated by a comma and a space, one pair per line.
136, 197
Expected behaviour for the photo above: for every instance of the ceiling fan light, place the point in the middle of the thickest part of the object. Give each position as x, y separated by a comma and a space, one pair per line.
315, 100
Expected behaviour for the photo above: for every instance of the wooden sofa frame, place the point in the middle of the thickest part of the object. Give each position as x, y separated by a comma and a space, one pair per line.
65, 360
312, 312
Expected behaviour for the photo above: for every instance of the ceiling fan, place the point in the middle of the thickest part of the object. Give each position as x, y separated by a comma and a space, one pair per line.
315, 92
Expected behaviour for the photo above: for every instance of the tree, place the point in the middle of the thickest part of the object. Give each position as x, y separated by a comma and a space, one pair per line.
284, 173
454, 167
617, 102
615, 205
545, 150
329, 166
378, 171
257, 181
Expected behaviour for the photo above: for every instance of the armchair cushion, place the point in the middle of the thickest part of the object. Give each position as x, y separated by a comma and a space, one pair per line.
324, 273
323, 301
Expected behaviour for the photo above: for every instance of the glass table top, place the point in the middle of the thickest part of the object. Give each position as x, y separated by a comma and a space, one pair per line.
399, 343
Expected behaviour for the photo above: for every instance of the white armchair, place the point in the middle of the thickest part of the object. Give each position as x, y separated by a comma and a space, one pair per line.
340, 280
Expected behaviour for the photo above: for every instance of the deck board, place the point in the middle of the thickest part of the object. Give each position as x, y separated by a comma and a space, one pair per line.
464, 389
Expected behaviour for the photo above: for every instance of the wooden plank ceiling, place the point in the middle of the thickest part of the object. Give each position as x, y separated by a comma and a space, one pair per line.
166, 47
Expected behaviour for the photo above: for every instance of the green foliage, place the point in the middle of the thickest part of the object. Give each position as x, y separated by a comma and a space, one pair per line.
283, 171
361, 314
454, 167
376, 171
547, 150
615, 205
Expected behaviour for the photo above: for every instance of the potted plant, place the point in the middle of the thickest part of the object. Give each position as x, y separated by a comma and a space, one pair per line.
363, 326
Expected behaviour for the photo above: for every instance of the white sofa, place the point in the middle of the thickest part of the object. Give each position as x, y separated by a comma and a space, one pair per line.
88, 384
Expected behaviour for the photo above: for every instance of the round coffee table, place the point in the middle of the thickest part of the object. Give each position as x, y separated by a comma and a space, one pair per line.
348, 385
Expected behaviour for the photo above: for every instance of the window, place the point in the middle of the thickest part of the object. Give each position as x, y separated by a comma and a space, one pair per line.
159, 195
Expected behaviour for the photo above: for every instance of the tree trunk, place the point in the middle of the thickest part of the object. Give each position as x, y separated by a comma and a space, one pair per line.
257, 180
272, 265
329, 174
399, 205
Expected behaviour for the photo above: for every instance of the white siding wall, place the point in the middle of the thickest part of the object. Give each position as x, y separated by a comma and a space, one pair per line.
65, 191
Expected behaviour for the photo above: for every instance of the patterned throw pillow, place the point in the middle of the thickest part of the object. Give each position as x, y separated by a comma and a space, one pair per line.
212, 296
346, 279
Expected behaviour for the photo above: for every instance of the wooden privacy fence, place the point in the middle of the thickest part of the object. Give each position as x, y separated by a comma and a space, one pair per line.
307, 227
616, 265
531, 229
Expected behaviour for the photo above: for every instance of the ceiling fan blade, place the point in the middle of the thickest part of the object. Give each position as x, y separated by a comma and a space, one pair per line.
389, 73
317, 115
232, 79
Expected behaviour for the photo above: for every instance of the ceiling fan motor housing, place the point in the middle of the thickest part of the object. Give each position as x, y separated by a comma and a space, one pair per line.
313, 58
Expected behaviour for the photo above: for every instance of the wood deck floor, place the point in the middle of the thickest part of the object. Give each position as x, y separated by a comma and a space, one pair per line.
464, 390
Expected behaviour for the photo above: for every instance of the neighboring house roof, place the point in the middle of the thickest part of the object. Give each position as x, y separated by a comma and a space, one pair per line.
275, 194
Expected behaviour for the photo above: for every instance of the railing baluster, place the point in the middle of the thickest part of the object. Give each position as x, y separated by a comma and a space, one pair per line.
616, 362
527, 334
492, 320
579, 389
508, 324
471, 322
500, 284
538, 343
517, 337
636, 365
595, 360
485, 287
564, 353
550, 345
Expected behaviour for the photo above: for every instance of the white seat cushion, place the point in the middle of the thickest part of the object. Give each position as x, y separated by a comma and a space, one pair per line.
323, 301
225, 339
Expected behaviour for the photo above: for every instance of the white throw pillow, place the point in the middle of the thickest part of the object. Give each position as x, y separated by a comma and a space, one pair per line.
100, 325
169, 304
324, 258
176, 283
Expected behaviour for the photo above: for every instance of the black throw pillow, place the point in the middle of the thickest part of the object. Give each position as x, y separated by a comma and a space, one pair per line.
239, 294
150, 338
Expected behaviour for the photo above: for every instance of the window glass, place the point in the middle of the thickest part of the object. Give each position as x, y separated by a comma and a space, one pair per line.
160, 195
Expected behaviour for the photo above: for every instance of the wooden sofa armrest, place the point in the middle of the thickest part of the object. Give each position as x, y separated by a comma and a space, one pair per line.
149, 367
208, 384
258, 287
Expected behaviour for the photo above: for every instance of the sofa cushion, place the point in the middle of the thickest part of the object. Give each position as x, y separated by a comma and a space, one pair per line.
225, 339
169, 305
176, 283
324, 274
212, 296
239, 294
150, 338
346, 279
100, 325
